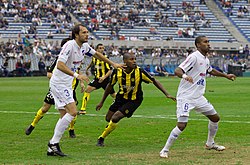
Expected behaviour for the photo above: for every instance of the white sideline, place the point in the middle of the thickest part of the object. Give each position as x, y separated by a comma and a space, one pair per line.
170, 117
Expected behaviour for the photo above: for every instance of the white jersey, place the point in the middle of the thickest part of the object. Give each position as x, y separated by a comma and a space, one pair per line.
72, 55
196, 66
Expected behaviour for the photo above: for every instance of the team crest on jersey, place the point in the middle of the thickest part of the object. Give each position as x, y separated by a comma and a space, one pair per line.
126, 111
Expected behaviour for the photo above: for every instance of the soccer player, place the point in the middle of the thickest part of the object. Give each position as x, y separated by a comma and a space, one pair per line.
101, 80
130, 95
70, 58
190, 93
49, 100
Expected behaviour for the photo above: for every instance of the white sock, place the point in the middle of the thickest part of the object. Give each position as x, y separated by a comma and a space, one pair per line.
172, 137
61, 126
212, 130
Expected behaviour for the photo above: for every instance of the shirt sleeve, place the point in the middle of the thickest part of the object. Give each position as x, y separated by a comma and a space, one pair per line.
65, 52
188, 63
87, 50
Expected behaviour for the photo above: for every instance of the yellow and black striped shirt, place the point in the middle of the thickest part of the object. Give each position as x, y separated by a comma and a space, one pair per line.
101, 67
130, 83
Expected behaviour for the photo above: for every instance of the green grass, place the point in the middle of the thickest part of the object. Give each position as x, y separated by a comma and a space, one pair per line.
137, 140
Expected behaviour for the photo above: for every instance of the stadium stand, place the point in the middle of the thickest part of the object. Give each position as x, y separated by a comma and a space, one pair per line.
132, 22
238, 13
32, 30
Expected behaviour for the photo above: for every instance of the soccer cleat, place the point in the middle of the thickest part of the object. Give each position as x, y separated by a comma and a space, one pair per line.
55, 148
29, 130
72, 133
215, 147
50, 152
100, 142
164, 154
82, 112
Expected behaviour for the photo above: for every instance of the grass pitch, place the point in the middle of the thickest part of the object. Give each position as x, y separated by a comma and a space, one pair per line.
137, 140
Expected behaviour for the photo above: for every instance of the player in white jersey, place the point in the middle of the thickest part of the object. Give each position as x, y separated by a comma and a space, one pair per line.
70, 58
190, 94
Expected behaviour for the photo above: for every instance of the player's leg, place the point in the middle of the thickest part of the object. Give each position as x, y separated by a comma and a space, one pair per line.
110, 127
85, 99
63, 99
48, 101
39, 115
122, 108
208, 110
174, 134
183, 109
213, 125
72, 123
72, 128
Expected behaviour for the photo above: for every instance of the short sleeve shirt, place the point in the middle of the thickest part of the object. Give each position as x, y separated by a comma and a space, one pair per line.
196, 65
72, 55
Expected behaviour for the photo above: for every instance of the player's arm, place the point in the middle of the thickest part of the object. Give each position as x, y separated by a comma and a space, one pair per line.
162, 89
181, 74
108, 89
101, 79
89, 66
105, 95
105, 59
63, 57
215, 72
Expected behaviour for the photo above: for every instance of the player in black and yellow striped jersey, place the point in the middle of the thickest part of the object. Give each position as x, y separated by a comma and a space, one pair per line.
49, 100
130, 94
102, 76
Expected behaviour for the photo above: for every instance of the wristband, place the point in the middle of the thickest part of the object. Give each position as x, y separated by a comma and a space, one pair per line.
75, 75
184, 76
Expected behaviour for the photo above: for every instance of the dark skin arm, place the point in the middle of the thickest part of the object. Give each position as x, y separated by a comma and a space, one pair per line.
161, 88
105, 95
215, 72
179, 72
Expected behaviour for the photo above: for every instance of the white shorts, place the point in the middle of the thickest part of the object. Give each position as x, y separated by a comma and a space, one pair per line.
62, 95
201, 105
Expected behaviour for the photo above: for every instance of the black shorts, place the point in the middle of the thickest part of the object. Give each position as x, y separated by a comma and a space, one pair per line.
127, 107
97, 85
50, 100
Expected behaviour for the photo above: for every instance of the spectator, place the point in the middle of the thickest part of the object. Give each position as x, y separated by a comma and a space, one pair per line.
5, 68
160, 70
50, 35
27, 66
20, 68
147, 68
41, 66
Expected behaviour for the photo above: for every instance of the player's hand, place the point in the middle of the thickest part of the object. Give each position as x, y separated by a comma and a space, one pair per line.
189, 79
87, 73
99, 106
101, 79
171, 97
83, 78
122, 66
231, 77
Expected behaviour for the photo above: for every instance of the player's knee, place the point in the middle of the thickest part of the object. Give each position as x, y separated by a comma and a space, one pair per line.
181, 125
107, 119
214, 118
